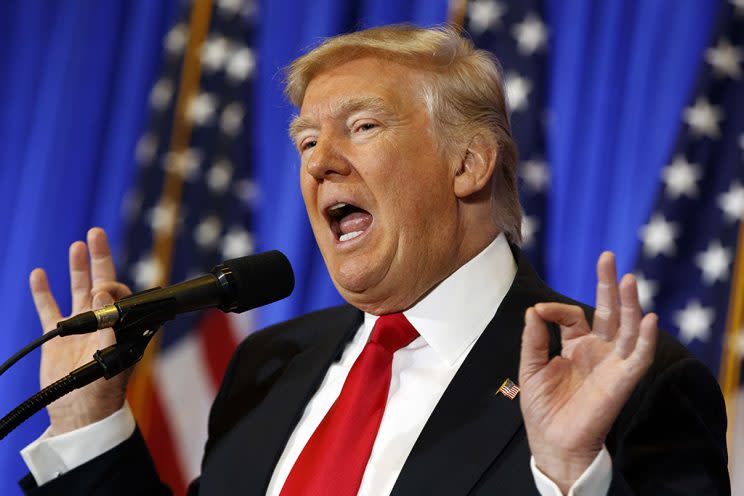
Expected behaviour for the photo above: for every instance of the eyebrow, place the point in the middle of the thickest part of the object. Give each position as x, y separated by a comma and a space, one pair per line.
341, 108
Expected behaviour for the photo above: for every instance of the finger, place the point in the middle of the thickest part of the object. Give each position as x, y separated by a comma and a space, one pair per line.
46, 305
643, 353
116, 289
535, 344
101, 261
79, 277
571, 318
606, 315
106, 337
630, 317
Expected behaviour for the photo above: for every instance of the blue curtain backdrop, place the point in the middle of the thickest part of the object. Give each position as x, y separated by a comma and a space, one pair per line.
74, 80
621, 72
74, 83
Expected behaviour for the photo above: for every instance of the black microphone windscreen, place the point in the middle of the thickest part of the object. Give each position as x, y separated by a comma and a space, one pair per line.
260, 279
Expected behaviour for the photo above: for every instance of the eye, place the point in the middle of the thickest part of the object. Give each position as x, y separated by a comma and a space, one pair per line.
365, 126
307, 144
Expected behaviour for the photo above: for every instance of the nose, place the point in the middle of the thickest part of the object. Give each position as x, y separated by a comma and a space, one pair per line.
327, 159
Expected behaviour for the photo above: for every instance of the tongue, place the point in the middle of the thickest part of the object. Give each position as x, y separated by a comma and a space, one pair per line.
356, 221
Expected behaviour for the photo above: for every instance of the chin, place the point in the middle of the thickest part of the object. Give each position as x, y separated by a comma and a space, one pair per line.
354, 277
378, 299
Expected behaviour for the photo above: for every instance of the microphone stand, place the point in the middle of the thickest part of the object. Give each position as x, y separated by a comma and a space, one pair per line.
133, 332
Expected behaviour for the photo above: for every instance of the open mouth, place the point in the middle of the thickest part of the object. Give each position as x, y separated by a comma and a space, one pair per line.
348, 221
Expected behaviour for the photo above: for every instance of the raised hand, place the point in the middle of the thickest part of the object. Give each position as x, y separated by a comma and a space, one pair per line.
570, 402
93, 285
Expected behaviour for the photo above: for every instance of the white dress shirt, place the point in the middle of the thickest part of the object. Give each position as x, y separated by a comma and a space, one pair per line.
450, 319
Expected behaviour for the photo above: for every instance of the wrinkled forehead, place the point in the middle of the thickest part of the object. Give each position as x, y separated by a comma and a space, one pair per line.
367, 84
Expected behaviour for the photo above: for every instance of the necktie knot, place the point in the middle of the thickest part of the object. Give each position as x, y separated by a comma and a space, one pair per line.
393, 332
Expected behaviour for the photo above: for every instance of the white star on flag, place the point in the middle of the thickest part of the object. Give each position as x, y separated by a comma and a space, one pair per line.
147, 145
200, 109
131, 204
535, 175
161, 94
531, 35
175, 40
732, 202
162, 217
207, 232
231, 120
484, 15
237, 243
694, 322
229, 7
147, 272
241, 65
681, 177
725, 59
185, 164
517, 91
658, 236
219, 175
247, 191
739, 6
714, 262
704, 118
214, 53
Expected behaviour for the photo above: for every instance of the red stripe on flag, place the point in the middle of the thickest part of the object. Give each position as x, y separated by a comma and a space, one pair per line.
160, 442
218, 343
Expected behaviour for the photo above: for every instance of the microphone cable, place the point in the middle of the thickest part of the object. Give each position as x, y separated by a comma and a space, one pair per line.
28, 349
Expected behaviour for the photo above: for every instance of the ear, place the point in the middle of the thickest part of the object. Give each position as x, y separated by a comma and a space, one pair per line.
477, 166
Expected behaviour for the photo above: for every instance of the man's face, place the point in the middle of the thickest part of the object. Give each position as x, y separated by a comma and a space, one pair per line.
377, 187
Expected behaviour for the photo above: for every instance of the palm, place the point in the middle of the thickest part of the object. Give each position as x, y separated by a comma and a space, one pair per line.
565, 392
569, 402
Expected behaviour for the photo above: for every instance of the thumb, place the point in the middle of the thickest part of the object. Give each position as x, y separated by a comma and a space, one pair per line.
535, 343
101, 299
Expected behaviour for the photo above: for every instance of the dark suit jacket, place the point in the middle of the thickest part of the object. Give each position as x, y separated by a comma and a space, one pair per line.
668, 439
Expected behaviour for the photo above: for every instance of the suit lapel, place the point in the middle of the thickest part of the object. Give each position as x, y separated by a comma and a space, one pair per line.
244, 461
472, 423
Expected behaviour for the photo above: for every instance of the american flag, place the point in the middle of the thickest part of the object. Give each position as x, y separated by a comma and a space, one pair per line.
517, 33
690, 268
191, 208
509, 389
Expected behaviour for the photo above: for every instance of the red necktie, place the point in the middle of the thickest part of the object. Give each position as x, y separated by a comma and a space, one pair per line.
334, 459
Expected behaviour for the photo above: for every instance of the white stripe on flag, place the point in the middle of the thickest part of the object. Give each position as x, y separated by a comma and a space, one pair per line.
182, 381
242, 324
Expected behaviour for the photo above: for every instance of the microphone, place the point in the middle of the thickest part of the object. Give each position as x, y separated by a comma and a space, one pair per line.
235, 285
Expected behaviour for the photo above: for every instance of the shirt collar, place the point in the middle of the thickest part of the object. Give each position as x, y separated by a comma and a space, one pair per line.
456, 312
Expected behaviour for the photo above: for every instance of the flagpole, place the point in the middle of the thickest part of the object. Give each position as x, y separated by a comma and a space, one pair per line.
456, 12
731, 356
140, 386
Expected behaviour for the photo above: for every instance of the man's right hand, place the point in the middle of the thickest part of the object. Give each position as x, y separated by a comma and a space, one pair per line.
93, 285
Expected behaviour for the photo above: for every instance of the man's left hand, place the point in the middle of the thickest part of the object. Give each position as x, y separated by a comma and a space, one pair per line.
569, 402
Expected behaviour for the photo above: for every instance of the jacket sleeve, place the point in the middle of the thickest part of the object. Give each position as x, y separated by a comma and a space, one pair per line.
126, 469
673, 440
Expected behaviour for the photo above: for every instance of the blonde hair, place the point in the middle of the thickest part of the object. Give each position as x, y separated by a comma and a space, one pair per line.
464, 94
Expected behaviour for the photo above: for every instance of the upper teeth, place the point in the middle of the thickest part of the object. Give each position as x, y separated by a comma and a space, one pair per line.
337, 206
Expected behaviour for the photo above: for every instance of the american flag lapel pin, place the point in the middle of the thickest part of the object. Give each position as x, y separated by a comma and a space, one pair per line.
509, 389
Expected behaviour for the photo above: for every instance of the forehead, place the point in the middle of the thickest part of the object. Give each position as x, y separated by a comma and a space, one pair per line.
368, 82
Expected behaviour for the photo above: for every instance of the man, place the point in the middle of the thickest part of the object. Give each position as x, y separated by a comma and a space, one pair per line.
408, 176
